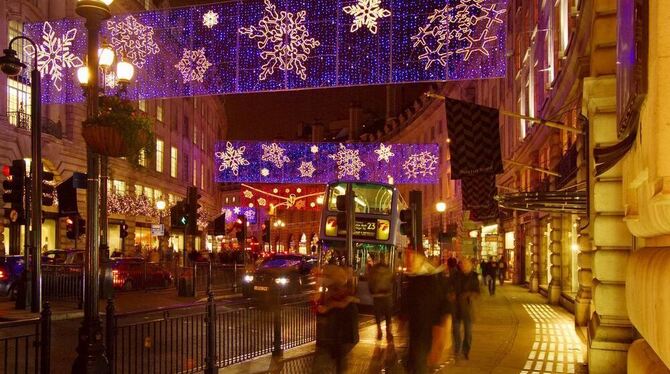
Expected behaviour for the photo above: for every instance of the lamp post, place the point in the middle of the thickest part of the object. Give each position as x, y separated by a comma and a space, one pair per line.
279, 224
90, 349
160, 206
441, 207
12, 66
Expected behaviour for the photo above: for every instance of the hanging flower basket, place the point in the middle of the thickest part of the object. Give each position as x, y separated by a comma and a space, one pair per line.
118, 131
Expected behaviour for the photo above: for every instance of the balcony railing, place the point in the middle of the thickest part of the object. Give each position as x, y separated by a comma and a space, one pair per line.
21, 120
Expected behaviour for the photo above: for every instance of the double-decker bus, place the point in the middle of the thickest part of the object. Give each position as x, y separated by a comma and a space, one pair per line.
375, 228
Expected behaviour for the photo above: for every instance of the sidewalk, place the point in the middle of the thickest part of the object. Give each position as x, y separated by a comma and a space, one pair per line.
514, 332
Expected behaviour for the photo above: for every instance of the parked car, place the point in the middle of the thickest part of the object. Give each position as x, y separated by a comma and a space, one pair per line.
133, 273
285, 274
11, 268
63, 256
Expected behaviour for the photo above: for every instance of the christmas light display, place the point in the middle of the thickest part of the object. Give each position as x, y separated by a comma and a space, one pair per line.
232, 212
269, 45
296, 162
275, 197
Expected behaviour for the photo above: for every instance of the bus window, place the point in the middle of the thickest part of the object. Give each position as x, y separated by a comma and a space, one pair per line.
369, 198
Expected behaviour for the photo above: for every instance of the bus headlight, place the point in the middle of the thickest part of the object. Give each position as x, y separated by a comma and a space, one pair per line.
248, 278
282, 281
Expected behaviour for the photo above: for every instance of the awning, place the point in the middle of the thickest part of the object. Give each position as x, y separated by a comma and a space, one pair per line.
552, 202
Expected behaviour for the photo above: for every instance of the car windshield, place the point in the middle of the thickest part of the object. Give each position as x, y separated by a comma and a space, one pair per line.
281, 262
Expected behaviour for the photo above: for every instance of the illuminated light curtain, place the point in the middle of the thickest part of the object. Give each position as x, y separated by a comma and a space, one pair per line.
270, 45
318, 163
232, 212
285, 196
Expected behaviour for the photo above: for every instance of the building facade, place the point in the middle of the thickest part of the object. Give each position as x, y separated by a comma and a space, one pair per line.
185, 128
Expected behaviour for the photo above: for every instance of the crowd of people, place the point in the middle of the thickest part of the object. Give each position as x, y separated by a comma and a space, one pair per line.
436, 308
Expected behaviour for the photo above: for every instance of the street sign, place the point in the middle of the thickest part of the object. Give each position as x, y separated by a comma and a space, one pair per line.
157, 230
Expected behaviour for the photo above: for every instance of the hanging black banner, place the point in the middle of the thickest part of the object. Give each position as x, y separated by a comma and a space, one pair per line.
475, 139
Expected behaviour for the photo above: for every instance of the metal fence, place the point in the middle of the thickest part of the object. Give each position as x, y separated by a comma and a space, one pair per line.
224, 277
197, 337
25, 345
63, 283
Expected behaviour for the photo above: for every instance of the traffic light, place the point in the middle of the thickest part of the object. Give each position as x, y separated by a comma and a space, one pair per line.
266, 231
14, 186
341, 205
410, 219
179, 215
73, 231
69, 226
47, 188
192, 206
241, 234
220, 225
123, 231
67, 195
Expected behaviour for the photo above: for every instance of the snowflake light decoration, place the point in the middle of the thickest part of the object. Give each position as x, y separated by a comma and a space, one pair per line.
133, 40
314, 149
284, 41
210, 19
265, 172
306, 169
384, 153
248, 194
434, 38
237, 210
422, 164
348, 162
250, 215
53, 54
110, 80
275, 154
366, 13
193, 65
262, 202
232, 158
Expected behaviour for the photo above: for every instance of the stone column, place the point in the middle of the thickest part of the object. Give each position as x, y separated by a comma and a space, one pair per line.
555, 249
610, 331
585, 277
535, 253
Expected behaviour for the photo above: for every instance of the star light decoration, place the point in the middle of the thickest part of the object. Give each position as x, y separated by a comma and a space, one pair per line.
384, 153
466, 24
232, 158
210, 19
275, 154
54, 55
420, 164
284, 41
133, 40
306, 169
349, 162
265, 172
366, 13
314, 149
193, 65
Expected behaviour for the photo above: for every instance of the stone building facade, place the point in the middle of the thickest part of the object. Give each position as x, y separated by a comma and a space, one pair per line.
185, 128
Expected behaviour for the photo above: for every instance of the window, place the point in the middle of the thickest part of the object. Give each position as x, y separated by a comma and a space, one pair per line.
202, 176
149, 193
139, 190
159, 110
142, 105
119, 187
160, 149
170, 200
195, 172
174, 161
142, 158
18, 103
564, 35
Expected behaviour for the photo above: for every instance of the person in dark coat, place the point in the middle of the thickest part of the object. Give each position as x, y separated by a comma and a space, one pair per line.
492, 275
380, 282
466, 287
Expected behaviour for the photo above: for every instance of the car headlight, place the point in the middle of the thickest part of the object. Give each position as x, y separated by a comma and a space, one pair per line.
282, 281
248, 278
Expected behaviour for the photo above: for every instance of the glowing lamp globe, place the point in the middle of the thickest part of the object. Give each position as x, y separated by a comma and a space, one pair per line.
160, 204
105, 56
10, 64
124, 71
441, 207
83, 75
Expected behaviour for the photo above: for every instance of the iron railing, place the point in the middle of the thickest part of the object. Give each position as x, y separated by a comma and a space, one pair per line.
223, 277
25, 345
567, 167
63, 283
21, 120
203, 337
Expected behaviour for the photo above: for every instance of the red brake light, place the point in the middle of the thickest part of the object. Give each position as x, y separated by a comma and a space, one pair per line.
6, 170
2, 274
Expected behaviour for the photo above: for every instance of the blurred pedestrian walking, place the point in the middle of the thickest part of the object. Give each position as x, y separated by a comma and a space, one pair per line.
491, 275
502, 270
380, 283
466, 287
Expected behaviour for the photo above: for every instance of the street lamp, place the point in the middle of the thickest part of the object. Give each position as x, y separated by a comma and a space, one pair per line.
90, 349
12, 66
441, 207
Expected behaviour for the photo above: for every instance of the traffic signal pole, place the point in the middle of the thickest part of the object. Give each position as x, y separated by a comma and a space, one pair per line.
36, 166
351, 224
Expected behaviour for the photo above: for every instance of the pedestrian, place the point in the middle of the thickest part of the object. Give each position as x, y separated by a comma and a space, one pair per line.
380, 283
502, 270
423, 309
492, 275
466, 289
